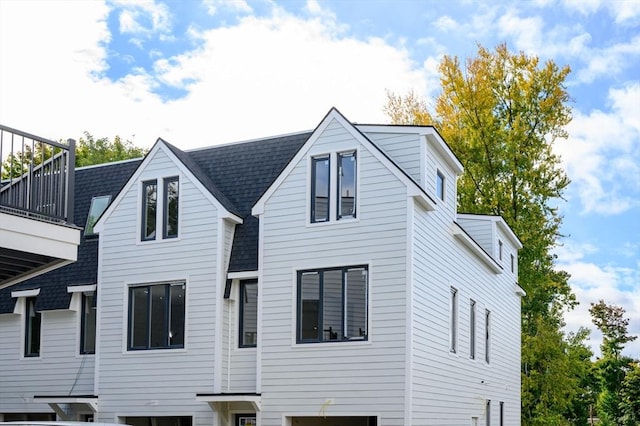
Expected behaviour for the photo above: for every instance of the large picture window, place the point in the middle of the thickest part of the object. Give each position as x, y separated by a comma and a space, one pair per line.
332, 304
248, 313
156, 316
88, 324
170, 223
320, 189
32, 329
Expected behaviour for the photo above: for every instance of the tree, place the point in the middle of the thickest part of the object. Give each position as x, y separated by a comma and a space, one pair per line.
91, 151
630, 397
501, 114
612, 367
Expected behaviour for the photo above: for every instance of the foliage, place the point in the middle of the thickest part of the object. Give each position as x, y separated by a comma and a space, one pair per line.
91, 151
630, 396
501, 113
611, 322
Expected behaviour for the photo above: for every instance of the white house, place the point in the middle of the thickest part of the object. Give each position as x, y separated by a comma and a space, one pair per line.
319, 278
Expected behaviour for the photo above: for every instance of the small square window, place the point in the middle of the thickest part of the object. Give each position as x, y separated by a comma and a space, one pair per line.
98, 206
248, 313
440, 190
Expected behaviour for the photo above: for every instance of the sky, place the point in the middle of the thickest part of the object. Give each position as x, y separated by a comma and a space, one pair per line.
204, 72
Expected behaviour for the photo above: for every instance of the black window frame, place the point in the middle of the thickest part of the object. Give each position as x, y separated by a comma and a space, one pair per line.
314, 177
501, 413
513, 263
487, 339
472, 329
440, 185
500, 248
33, 320
241, 325
144, 235
340, 158
453, 320
321, 333
488, 423
83, 322
240, 416
91, 220
149, 319
165, 208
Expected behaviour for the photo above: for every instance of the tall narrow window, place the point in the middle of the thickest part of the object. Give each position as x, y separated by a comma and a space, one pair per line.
320, 189
487, 338
500, 249
156, 316
88, 324
501, 413
347, 185
98, 206
32, 329
488, 412
472, 329
513, 263
170, 223
453, 325
149, 205
332, 304
440, 185
248, 313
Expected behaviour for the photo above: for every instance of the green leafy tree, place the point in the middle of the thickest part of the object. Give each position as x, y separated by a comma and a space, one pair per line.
501, 113
630, 397
612, 367
90, 151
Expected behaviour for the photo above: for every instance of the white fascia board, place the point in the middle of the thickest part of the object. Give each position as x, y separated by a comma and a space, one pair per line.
26, 293
160, 145
81, 288
499, 222
334, 114
243, 275
475, 248
520, 291
421, 198
443, 149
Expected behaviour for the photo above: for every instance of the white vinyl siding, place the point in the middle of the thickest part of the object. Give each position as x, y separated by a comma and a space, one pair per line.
403, 149
301, 377
128, 380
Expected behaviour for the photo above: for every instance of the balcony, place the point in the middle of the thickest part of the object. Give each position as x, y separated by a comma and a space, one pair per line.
37, 232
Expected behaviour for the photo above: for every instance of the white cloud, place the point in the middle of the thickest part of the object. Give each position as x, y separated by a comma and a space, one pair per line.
602, 154
526, 32
608, 61
261, 77
592, 283
238, 6
446, 23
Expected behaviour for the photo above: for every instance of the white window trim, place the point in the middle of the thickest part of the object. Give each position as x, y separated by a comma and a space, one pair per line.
160, 183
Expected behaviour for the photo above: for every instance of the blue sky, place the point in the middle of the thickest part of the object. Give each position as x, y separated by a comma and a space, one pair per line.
199, 73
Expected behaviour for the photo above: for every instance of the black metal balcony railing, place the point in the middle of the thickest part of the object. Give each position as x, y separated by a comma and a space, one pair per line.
37, 176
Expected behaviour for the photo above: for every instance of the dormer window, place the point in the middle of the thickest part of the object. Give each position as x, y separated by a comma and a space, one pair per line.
98, 206
440, 185
320, 189
166, 213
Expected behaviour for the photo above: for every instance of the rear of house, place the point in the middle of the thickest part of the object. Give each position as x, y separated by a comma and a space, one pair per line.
320, 278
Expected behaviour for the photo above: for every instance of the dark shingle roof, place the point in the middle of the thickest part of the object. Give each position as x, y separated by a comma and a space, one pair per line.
90, 182
236, 174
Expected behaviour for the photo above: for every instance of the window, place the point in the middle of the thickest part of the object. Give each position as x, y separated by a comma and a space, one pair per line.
88, 324
501, 413
170, 223
332, 304
98, 206
246, 420
500, 249
320, 189
513, 263
488, 412
487, 327
159, 421
346, 185
149, 204
440, 185
32, 328
248, 313
472, 329
453, 326
156, 316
